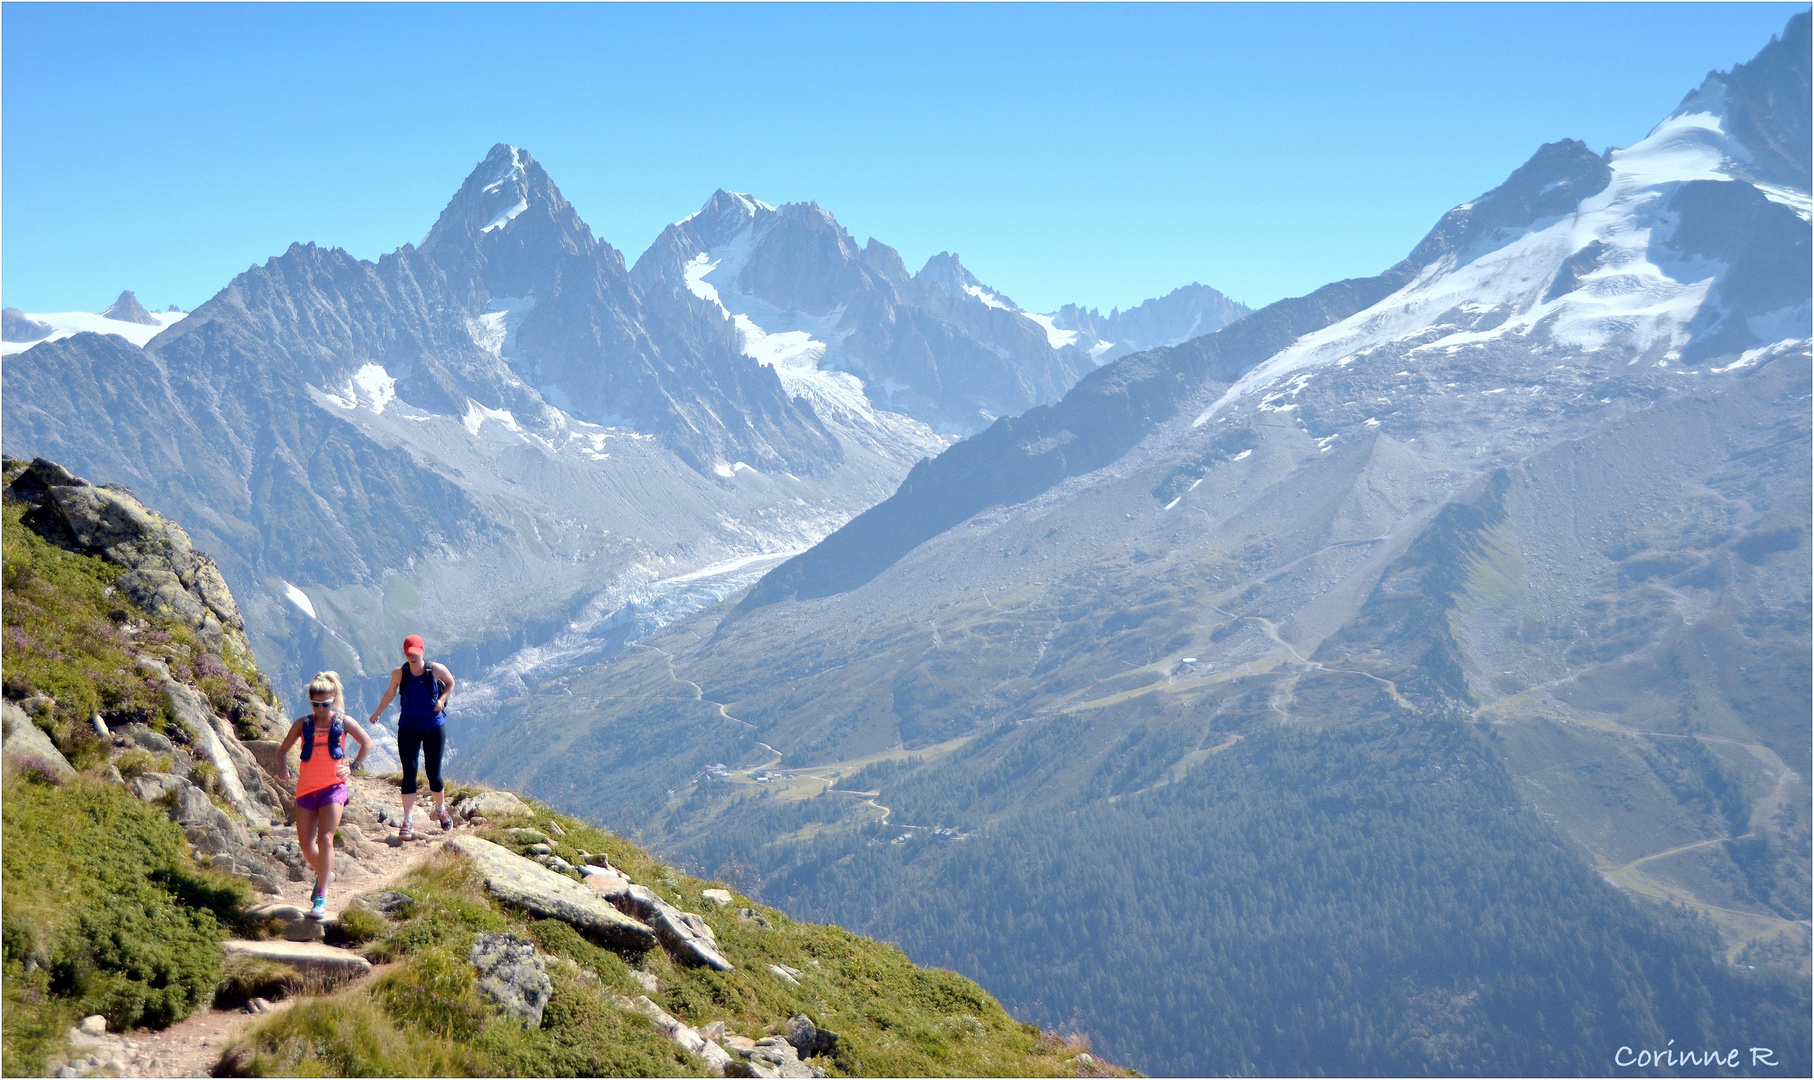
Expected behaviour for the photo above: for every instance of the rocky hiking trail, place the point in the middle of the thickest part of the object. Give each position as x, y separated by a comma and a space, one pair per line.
193, 1047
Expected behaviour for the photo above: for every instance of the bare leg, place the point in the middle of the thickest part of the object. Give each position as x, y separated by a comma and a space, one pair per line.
305, 838
409, 804
326, 821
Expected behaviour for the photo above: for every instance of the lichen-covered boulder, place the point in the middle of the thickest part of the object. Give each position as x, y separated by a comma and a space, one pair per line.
512, 976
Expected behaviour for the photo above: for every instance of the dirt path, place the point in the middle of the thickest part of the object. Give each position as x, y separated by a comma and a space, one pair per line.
194, 1047
698, 691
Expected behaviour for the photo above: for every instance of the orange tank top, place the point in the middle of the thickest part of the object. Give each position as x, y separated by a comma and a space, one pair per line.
319, 771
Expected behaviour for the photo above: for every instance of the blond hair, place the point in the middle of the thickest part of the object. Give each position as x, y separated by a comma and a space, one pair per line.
328, 682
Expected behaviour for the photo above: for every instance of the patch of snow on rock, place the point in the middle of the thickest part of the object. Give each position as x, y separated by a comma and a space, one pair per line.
1055, 337
300, 599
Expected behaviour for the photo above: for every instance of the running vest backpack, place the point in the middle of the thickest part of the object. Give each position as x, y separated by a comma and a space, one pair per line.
419, 693
336, 738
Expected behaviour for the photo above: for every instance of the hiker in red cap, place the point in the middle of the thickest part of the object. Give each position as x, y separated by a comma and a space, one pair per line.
422, 723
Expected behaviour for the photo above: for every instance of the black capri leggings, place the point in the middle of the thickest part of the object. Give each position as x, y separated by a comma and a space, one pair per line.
431, 742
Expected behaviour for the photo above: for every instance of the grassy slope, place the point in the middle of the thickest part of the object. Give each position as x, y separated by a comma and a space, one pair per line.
423, 1016
105, 912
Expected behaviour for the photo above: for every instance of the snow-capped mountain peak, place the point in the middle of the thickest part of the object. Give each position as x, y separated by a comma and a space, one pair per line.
1669, 252
945, 270
504, 186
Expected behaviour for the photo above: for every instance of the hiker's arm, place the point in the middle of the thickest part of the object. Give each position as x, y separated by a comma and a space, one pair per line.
283, 749
389, 692
445, 676
360, 737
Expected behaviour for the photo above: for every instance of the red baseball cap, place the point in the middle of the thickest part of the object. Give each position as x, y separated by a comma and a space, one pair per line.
413, 645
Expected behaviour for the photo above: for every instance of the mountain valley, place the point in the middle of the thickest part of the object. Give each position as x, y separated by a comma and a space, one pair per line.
1498, 559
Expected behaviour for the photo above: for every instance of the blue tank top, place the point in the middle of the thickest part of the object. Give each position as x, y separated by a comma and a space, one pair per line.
417, 695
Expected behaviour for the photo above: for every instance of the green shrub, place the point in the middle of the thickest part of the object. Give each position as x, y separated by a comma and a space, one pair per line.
246, 977
356, 926
450, 907
137, 762
34, 1021
100, 893
437, 991
345, 1035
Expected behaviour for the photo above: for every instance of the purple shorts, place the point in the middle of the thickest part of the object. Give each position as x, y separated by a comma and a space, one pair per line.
321, 798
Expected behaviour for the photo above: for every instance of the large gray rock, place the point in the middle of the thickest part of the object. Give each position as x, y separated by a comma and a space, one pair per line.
211, 831
230, 758
317, 962
491, 805
685, 934
26, 740
513, 976
808, 1038
518, 882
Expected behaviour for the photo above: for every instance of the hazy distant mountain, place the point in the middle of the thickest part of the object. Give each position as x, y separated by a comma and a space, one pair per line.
1172, 319
128, 309
16, 325
850, 330
1293, 699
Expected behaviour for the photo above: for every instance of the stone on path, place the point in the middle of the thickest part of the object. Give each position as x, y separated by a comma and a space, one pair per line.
521, 883
513, 976
386, 903
320, 962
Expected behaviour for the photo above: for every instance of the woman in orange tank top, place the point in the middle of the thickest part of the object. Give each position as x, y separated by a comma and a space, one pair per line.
321, 788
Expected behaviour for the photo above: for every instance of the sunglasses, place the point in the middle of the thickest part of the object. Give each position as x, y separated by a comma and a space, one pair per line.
321, 704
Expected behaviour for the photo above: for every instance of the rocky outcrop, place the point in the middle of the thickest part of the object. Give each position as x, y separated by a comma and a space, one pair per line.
225, 843
16, 325
518, 882
770, 1057
166, 575
717, 1061
242, 782
513, 976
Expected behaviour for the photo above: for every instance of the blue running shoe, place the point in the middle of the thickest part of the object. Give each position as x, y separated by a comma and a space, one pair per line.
318, 908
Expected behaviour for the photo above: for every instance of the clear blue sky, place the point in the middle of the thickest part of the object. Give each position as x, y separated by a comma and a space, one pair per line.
1100, 154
